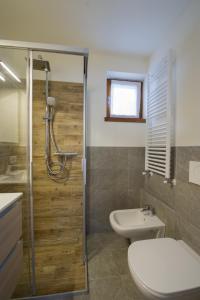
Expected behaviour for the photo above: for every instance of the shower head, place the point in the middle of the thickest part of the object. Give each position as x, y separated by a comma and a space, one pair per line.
51, 101
41, 65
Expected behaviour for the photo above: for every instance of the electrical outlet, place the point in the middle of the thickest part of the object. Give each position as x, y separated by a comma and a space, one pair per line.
12, 159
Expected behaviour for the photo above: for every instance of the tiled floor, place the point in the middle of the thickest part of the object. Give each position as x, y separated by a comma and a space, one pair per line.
109, 277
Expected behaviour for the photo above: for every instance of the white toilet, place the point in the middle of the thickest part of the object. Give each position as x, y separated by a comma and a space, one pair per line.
165, 269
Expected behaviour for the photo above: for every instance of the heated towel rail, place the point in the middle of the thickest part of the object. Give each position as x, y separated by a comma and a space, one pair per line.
159, 119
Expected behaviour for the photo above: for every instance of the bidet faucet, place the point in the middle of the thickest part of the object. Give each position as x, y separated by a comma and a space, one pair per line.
148, 209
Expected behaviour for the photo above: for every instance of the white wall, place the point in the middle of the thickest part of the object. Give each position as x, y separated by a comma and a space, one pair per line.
184, 38
70, 68
101, 133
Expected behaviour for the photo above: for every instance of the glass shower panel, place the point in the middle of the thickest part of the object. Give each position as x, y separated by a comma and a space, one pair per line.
14, 144
58, 188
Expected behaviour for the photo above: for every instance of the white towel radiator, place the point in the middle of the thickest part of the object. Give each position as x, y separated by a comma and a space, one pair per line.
159, 119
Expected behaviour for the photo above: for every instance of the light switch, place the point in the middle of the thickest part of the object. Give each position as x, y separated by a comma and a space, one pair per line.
194, 172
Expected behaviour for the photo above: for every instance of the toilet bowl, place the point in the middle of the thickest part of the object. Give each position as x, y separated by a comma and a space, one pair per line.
165, 269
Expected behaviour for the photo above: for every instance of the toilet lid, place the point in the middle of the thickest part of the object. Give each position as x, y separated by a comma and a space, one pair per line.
165, 266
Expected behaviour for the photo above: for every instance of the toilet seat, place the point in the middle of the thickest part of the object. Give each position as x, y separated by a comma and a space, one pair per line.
165, 268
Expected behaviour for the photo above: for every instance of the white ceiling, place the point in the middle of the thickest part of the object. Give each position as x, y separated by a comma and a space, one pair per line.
121, 26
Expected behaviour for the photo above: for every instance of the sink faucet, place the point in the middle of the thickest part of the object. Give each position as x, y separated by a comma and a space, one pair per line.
148, 210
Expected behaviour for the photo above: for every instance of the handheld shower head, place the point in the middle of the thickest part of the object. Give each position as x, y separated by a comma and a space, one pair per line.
51, 101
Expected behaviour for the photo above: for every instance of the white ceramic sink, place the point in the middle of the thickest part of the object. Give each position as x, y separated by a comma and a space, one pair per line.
135, 224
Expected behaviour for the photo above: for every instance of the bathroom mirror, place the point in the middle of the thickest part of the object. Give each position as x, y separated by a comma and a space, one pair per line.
13, 116
12, 96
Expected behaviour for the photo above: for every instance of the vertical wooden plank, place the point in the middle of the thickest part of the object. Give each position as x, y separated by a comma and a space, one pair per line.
58, 214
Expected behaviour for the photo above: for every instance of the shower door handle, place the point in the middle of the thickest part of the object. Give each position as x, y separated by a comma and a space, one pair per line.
84, 170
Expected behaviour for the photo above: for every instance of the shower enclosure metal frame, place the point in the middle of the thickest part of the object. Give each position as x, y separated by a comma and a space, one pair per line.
53, 48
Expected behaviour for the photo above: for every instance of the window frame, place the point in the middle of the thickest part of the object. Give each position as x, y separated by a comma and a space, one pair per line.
109, 117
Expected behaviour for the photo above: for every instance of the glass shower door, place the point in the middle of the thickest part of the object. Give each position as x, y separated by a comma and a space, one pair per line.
58, 199
53, 210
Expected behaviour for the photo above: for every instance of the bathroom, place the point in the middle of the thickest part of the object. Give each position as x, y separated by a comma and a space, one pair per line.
69, 168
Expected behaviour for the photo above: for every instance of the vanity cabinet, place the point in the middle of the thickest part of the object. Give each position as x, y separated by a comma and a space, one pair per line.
11, 245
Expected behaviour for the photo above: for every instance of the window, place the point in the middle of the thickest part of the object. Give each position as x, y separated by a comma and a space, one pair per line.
124, 101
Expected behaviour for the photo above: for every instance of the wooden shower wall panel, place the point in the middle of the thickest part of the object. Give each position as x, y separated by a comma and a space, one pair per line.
58, 207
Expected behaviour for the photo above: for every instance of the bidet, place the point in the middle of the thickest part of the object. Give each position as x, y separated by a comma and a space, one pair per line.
137, 224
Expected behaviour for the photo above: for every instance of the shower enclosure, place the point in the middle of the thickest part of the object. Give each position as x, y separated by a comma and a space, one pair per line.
42, 154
